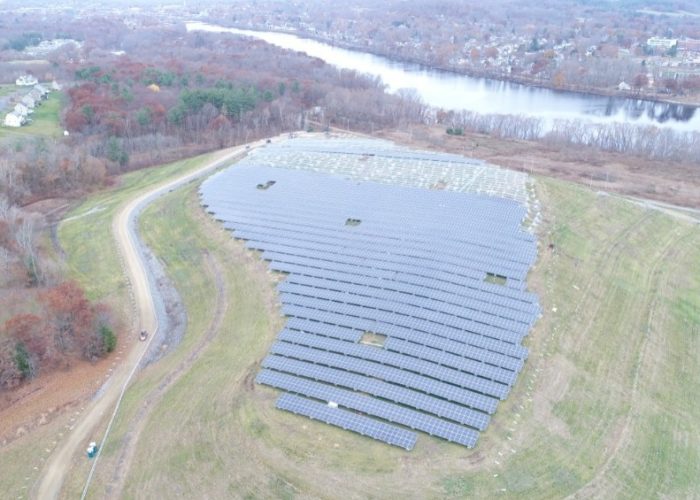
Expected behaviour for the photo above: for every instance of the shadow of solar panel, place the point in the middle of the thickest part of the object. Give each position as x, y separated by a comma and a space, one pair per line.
417, 272
348, 420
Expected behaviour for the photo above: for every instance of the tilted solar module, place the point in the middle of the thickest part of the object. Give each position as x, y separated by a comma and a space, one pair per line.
371, 406
348, 420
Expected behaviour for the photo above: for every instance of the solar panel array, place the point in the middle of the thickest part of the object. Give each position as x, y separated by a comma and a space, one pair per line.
395, 320
383, 161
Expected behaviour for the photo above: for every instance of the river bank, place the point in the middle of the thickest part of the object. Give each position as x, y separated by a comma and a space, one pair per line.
692, 100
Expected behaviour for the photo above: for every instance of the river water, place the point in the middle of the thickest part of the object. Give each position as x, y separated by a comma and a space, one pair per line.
481, 95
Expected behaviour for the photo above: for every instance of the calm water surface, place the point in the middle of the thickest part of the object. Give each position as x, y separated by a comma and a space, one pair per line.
460, 92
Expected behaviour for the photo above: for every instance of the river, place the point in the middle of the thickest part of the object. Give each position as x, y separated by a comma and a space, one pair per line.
482, 95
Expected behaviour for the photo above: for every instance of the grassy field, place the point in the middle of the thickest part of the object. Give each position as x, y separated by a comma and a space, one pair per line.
7, 89
604, 408
45, 121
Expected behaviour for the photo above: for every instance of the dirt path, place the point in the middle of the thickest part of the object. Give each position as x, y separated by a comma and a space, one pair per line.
60, 463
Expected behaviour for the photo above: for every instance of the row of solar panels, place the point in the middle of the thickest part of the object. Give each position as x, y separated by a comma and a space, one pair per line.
369, 150
348, 420
477, 265
479, 213
474, 211
414, 223
491, 339
404, 303
461, 375
489, 350
388, 310
328, 238
366, 149
460, 355
369, 406
386, 261
396, 272
414, 294
437, 380
498, 233
412, 283
378, 388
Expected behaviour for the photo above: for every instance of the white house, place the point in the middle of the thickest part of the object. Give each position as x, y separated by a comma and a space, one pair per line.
22, 110
624, 86
36, 95
26, 81
55, 85
28, 101
42, 90
14, 120
662, 43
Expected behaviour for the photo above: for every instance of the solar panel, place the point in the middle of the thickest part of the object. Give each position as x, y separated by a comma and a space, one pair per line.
417, 270
384, 390
450, 375
348, 421
371, 406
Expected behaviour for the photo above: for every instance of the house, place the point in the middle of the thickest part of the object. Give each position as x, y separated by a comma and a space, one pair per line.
42, 90
22, 110
26, 81
55, 85
14, 120
28, 101
624, 86
662, 43
36, 95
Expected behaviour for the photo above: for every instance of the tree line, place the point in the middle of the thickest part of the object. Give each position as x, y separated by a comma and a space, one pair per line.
68, 326
650, 142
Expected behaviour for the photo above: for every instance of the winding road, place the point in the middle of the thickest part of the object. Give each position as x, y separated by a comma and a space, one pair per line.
60, 463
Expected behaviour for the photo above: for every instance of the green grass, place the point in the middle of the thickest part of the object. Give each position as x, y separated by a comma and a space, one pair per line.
45, 121
605, 404
7, 89
86, 232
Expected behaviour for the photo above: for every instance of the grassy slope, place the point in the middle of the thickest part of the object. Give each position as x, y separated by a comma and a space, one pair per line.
94, 262
604, 406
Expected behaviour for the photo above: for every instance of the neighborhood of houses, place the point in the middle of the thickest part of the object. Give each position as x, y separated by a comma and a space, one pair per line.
25, 105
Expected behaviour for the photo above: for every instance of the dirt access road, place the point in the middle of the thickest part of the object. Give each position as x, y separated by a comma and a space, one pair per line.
60, 462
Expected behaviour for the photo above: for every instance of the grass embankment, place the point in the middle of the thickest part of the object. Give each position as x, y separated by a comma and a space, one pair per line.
605, 405
45, 121
92, 259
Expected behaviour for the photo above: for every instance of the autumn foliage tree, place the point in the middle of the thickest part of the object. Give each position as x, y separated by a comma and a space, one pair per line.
69, 327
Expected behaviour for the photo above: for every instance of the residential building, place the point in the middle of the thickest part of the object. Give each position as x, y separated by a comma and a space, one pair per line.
26, 81
662, 43
14, 120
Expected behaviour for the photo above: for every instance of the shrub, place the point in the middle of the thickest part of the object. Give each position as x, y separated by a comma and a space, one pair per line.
22, 361
109, 339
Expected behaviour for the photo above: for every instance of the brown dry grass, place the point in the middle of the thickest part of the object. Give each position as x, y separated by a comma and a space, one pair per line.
670, 182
